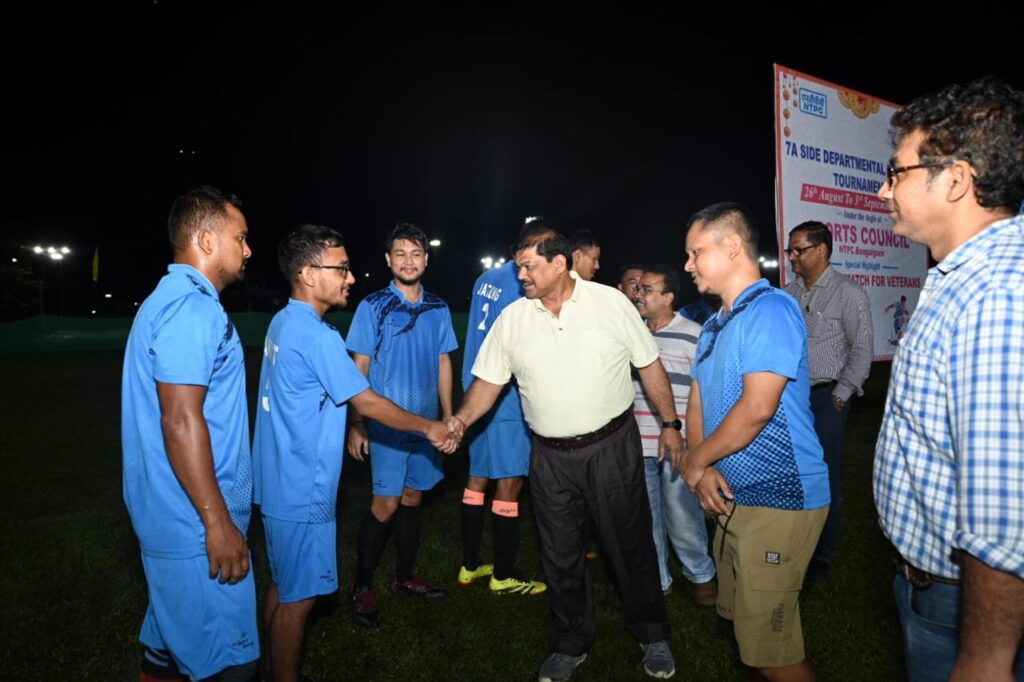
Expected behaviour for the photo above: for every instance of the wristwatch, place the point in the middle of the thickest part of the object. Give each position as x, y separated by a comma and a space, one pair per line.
838, 402
674, 424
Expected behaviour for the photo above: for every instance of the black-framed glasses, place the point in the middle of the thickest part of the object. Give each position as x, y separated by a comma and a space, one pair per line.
647, 289
343, 269
892, 171
798, 250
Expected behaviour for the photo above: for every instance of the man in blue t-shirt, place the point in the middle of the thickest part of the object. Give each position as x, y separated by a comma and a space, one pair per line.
306, 380
499, 449
400, 338
753, 455
185, 439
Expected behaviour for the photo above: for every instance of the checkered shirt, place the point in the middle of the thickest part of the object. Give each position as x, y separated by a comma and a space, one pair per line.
949, 464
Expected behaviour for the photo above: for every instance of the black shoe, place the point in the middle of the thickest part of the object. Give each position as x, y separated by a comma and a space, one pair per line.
417, 587
365, 601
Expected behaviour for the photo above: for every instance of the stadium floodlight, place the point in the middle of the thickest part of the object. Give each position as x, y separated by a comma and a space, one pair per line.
487, 262
435, 242
108, 296
37, 249
56, 255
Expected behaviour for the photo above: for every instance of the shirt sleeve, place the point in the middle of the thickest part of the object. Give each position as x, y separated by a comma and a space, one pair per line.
363, 333
986, 367
634, 333
492, 362
334, 369
775, 339
447, 340
860, 339
187, 335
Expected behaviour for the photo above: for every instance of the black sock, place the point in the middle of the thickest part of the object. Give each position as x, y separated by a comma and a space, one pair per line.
472, 529
157, 664
370, 545
506, 544
407, 541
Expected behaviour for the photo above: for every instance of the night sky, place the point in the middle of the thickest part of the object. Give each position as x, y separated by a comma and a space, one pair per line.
463, 122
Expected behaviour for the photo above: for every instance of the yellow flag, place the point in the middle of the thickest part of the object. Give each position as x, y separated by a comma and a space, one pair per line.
96, 265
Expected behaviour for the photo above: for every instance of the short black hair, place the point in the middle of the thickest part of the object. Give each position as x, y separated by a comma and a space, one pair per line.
408, 232
817, 233
734, 215
673, 285
305, 245
630, 266
582, 240
201, 207
548, 241
981, 123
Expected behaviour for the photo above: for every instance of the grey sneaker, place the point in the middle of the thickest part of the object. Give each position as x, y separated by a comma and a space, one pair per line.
658, 661
559, 667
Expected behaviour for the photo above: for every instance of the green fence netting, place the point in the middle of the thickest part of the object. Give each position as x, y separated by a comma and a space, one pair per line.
57, 333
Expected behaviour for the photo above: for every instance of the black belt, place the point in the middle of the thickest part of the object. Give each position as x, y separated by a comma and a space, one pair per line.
823, 384
583, 440
922, 579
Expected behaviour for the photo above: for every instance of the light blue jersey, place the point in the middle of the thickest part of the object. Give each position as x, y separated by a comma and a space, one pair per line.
181, 335
305, 381
404, 342
783, 468
493, 292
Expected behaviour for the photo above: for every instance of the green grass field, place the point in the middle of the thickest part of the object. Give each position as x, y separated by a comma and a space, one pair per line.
74, 596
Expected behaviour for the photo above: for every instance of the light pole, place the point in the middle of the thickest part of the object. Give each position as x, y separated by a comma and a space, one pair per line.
55, 253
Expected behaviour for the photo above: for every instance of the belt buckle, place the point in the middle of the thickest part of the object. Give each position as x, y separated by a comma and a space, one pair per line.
915, 577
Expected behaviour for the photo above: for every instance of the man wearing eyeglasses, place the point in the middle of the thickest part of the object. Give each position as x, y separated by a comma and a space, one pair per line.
948, 468
839, 347
306, 382
675, 511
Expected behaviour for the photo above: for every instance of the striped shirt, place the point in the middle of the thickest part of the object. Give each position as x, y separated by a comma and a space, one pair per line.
949, 464
840, 338
677, 343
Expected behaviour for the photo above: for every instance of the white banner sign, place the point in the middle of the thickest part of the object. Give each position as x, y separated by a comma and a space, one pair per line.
831, 149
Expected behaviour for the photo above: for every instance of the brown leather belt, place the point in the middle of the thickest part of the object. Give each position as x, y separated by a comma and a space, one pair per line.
922, 579
583, 440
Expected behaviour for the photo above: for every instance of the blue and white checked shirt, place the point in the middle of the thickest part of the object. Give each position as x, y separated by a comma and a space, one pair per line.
949, 464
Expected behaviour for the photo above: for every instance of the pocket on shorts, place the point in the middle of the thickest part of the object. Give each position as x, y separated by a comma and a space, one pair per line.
771, 579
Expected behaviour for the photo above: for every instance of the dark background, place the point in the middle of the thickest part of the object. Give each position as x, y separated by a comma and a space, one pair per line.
462, 120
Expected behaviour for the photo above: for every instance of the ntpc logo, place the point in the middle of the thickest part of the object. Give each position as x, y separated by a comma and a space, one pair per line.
813, 103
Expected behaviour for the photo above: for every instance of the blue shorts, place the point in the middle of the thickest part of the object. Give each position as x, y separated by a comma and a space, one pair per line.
207, 626
396, 466
303, 558
500, 450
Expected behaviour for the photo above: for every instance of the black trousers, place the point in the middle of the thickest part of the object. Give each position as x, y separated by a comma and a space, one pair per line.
604, 481
830, 425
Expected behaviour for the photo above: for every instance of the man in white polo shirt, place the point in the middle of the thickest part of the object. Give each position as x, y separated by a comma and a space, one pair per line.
570, 344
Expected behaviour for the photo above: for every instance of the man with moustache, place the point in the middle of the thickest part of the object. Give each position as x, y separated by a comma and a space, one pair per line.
185, 441
629, 280
753, 456
948, 465
840, 341
570, 344
306, 382
400, 338
675, 511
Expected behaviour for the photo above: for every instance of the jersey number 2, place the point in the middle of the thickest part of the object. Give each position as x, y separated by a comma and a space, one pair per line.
483, 323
